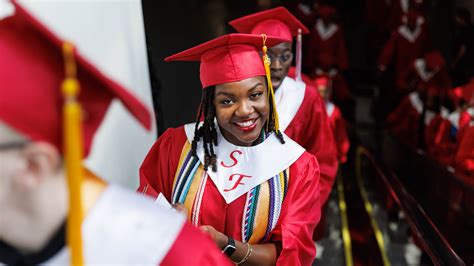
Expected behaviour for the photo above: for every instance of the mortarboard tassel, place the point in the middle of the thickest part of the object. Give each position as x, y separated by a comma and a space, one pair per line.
271, 93
299, 54
73, 153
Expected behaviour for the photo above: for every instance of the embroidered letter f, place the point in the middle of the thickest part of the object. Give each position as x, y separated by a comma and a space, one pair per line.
238, 182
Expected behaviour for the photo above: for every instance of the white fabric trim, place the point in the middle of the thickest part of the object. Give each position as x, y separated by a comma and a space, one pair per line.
7, 9
405, 5
330, 108
331, 73
325, 32
305, 9
429, 116
416, 101
470, 111
288, 99
125, 228
444, 112
257, 163
420, 67
409, 35
453, 118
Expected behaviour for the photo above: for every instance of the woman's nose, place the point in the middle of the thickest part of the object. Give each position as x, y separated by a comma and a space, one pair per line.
244, 109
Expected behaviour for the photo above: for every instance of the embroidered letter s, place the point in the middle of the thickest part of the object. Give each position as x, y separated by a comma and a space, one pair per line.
232, 157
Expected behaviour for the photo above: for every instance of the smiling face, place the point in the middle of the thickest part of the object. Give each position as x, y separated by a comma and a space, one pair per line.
242, 109
281, 58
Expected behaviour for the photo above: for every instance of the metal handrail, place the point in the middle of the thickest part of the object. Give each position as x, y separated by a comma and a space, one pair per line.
433, 242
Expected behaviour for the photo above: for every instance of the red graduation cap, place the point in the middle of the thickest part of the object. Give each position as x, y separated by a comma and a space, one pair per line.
228, 58
277, 22
31, 72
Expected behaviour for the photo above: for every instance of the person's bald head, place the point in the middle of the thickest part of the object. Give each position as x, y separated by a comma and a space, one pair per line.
33, 191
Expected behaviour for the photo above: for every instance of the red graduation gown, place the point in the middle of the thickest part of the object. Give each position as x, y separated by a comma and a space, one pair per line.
181, 253
333, 46
464, 160
412, 75
445, 144
431, 133
338, 126
402, 52
447, 139
300, 210
311, 129
292, 74
403, 122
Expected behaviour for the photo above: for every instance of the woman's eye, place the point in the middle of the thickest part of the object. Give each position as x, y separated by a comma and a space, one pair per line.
256, 95
226, 102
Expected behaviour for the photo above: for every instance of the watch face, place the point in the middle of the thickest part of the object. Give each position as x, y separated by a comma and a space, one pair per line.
230, 248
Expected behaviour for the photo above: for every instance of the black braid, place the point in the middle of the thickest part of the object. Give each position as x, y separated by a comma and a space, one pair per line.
271, 122
208, 131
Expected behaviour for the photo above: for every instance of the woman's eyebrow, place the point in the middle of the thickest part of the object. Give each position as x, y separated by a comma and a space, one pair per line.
255, 86
224, 93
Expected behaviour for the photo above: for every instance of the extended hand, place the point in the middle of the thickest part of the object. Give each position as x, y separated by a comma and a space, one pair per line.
219, 238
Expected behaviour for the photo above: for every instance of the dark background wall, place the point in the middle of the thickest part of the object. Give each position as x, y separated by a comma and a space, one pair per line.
172, 26
175, 25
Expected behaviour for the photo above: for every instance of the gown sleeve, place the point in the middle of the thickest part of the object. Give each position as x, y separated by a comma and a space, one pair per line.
388, 51
159, 167
192, 247
319, 140
301, 211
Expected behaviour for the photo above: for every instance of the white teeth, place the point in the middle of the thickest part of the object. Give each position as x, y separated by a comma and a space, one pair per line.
245, 123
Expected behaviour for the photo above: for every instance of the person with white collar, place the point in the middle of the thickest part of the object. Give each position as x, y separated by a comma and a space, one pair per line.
416, 120
327, 38
426, 72
449, 134
407, 43
239, 177
44, 220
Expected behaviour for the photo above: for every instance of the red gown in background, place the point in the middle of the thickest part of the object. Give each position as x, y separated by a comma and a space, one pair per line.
338, 126
329, 41
396, 12
310, 128
431, 133
464, 159
446, 140
299, 214
403, 121
417, 77
403, 48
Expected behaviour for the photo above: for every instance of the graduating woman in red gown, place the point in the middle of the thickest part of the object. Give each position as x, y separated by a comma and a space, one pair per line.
243, 181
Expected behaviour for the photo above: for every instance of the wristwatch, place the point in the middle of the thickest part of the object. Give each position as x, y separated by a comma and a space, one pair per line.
230, 248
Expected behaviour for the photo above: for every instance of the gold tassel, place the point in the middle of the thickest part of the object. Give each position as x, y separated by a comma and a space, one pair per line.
73, 153
271, 92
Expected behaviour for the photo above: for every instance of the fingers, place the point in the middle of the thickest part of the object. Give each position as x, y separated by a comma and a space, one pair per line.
180, 208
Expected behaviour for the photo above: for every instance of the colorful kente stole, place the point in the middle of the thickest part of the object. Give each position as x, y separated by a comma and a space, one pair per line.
263, 202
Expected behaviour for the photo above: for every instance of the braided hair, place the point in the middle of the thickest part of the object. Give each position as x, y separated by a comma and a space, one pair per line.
208, 132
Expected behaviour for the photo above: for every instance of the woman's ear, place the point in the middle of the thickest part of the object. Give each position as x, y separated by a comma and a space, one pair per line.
41, 161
